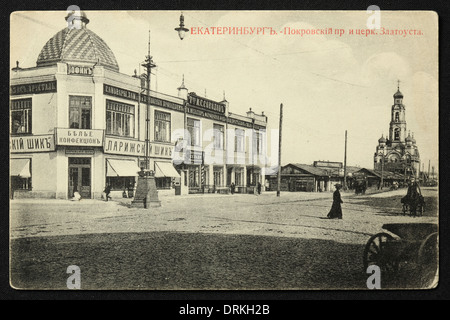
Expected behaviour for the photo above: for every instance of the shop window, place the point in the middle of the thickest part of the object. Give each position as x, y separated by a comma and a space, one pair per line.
238, 177
163, 183
218, 177
80, 110
121, 183
162, 126
194, 176
218, 136
119, 119
193, 127
20, 116
19, 183
239, 138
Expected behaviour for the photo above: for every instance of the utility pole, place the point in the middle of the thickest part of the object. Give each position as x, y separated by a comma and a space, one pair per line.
345, 161
428, 177
279, 151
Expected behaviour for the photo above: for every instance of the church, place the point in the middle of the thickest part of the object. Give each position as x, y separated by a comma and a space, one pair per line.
398, 152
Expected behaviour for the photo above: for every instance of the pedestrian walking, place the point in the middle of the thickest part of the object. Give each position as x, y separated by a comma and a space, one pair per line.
336, 210
107, 191
232, 187
259, 187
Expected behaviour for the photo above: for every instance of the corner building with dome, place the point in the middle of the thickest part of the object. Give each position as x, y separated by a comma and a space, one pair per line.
77, 124
398, 152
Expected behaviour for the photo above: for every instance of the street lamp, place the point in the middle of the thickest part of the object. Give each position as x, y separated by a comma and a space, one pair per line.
181, 29
146, 192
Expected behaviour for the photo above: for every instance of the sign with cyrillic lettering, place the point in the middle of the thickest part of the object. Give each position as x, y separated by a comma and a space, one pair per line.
79, 137
35, 143
124, 146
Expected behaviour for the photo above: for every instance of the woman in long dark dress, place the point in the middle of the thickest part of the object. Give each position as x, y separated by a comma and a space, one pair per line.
336, 210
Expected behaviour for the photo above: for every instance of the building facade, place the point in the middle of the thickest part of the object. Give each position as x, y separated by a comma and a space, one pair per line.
78, 124
318, 177
398, 152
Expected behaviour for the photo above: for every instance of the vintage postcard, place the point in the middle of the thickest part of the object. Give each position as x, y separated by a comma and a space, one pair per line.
223, 150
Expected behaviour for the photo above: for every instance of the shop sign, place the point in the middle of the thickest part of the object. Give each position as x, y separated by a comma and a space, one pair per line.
79, 137
203, 103
124, 146
80, 70
161, 150
35, 143
79, 151
30, 88
193, 157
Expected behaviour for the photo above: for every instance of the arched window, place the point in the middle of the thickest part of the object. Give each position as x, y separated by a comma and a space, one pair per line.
397, 117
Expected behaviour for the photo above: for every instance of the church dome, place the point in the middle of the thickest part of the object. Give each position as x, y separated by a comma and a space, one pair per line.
382, 140
77, 45
408, 138
398, 94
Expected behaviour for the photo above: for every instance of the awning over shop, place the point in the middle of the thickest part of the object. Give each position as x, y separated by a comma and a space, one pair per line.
121, 168
165, 169
20, 167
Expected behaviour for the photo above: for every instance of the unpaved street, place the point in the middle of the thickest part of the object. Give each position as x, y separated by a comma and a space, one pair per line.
203, 241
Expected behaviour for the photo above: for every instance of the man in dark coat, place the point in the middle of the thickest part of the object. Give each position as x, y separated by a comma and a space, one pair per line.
107, 191
336, 210
232, 188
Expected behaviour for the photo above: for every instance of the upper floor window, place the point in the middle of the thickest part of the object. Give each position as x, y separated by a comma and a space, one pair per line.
80, 112
397, 117
218, 136
257, 142
119, 118
162, 126
193, 127
239, 138
21, 116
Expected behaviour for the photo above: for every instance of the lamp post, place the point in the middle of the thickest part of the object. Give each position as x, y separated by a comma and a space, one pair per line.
146, 192
181, 29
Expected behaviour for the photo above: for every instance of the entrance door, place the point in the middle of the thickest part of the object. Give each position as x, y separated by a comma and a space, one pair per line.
80, 177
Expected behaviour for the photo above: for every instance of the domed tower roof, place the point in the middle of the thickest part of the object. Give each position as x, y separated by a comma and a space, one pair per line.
77, 45
382, 139
398, 94
408, 138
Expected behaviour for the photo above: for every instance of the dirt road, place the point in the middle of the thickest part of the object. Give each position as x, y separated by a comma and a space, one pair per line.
202, 241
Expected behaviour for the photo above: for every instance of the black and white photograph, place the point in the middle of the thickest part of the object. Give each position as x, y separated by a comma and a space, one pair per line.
224, 150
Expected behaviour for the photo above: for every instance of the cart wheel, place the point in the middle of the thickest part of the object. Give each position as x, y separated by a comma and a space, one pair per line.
428, 259
375, 253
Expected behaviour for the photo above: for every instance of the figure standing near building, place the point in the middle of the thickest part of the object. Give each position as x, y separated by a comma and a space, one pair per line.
258, 187
336, 210
232, 187
107, 191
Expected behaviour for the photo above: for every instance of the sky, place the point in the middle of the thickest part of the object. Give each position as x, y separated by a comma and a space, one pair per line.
327, 83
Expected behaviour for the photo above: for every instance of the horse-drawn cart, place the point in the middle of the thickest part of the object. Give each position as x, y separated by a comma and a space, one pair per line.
410, 243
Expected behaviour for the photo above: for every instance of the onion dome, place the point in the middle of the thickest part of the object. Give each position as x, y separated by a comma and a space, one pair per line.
408, 138
398, 94
77, 44
382, 139
412, 139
